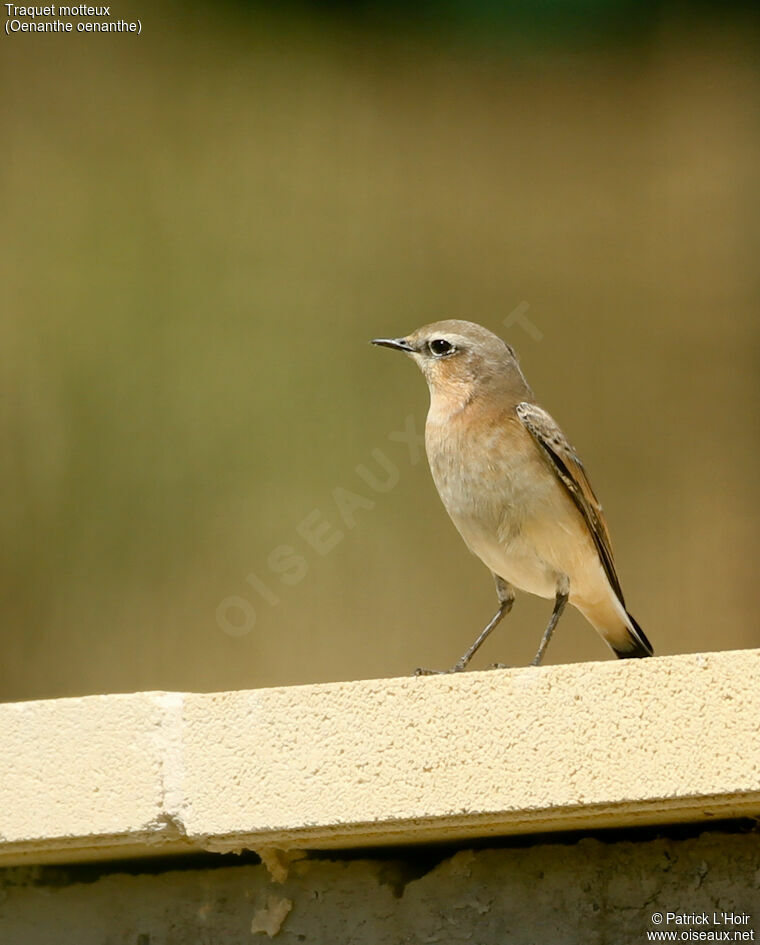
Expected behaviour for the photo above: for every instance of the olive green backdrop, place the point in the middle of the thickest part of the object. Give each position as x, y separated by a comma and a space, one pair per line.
200, 229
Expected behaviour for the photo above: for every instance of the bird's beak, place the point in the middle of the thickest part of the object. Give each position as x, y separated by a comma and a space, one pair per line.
400, 344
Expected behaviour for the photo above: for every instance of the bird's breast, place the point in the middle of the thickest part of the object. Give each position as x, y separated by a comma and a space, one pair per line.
482, 468
496, 488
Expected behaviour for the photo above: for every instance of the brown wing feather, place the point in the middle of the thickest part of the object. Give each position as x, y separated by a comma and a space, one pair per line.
569, 470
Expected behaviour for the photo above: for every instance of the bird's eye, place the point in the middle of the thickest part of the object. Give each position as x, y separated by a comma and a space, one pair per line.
439, 347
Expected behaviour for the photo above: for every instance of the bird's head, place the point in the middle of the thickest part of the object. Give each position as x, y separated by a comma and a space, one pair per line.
459, 359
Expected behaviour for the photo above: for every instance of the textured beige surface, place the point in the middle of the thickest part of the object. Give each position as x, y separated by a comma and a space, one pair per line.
80, 775
393, 760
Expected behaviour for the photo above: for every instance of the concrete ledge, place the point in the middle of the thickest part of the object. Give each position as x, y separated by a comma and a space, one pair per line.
382, 761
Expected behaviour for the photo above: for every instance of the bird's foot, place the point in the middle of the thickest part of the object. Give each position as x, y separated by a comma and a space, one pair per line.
456, 668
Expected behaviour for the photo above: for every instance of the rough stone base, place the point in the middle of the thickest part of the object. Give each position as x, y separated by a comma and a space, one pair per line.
587, 892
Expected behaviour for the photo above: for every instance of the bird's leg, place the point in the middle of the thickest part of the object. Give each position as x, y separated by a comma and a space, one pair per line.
563, 593
506, 599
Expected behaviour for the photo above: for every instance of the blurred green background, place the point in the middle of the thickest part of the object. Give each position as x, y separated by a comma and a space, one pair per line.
202, 227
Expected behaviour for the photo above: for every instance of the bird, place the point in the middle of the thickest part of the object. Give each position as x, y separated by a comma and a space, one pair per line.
514, 487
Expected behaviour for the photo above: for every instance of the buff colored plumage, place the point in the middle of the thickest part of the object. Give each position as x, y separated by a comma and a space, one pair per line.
514, 487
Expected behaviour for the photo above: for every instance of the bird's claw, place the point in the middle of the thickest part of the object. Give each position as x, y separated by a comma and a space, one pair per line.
456, 668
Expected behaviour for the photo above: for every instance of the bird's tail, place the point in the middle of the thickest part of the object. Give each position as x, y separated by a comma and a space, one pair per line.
636, 645
623, 635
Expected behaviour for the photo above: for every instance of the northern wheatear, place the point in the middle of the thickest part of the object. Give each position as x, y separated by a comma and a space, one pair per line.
513, 486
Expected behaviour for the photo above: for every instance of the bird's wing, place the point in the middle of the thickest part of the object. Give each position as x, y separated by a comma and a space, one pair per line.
568, 468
